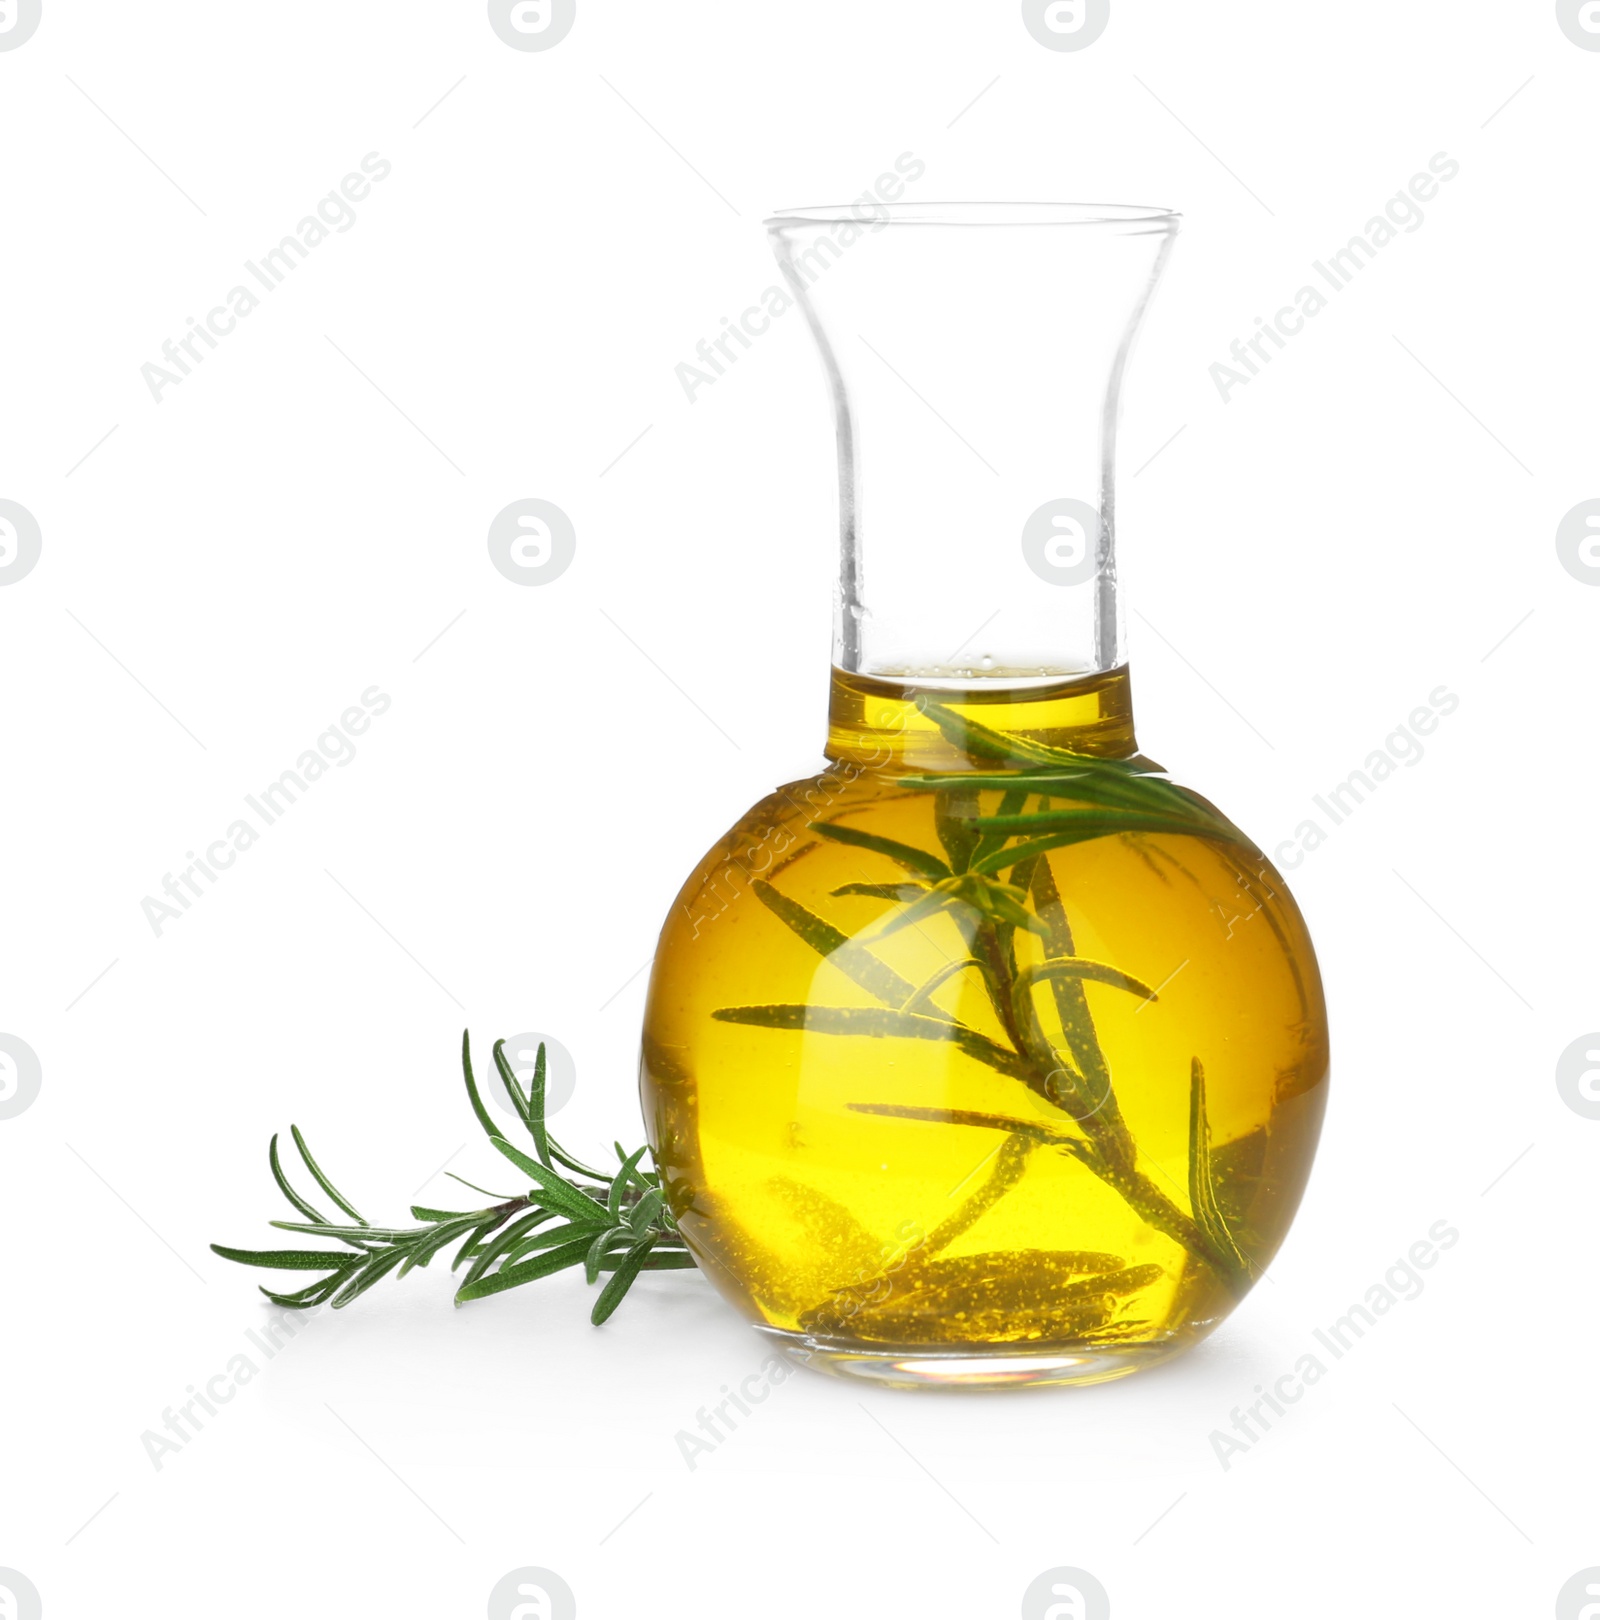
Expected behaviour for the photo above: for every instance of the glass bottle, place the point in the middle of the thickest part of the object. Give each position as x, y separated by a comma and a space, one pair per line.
988, 1055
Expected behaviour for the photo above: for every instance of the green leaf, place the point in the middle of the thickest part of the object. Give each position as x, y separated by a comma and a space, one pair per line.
303, 1299
880, 1023
1063, 781
505, 1242
619, 1185
1022, 880
289, 1259
357, 1235
914, 860
421, 1212
591, 1261
508, 1080
1049, 821
556, 1191
561, 1156
988, 842
499, 1198
569, 1254
931, 903
1072, 1006
881, 891
1074, 967
1114, 784
981, 1121
667, 1260
974, 738
557, 1152
471, 1247
322, 1181
621, 1281
491, 1129
645, 1178
875, 977
1202, 1185
1090, 825
935, 979
978, 891
442, 1238
646, 1210
530, 1108
954, 812
379, 1267
1027, 779
557, 1235
1000, 902
1131, 783
284, 1187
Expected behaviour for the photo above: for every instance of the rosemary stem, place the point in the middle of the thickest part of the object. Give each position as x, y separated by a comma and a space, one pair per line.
1013, 1160
1113, 1155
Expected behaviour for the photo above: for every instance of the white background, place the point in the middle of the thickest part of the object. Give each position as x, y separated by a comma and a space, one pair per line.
1371, 518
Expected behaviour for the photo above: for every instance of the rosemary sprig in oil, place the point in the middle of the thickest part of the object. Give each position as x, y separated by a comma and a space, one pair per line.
991, 881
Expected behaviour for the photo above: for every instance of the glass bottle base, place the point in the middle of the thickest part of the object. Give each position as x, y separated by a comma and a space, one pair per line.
970, 1367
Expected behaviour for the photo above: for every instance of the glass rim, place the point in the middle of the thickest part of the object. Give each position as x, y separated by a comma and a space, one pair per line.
985, 214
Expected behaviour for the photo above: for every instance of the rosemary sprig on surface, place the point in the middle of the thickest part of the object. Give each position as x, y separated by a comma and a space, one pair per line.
572, 1215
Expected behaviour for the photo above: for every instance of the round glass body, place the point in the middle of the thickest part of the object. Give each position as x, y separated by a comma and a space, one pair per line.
988, 1055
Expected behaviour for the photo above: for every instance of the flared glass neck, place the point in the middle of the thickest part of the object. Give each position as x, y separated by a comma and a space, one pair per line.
975, 355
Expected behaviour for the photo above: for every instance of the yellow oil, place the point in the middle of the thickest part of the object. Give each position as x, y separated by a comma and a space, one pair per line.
859, 1187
